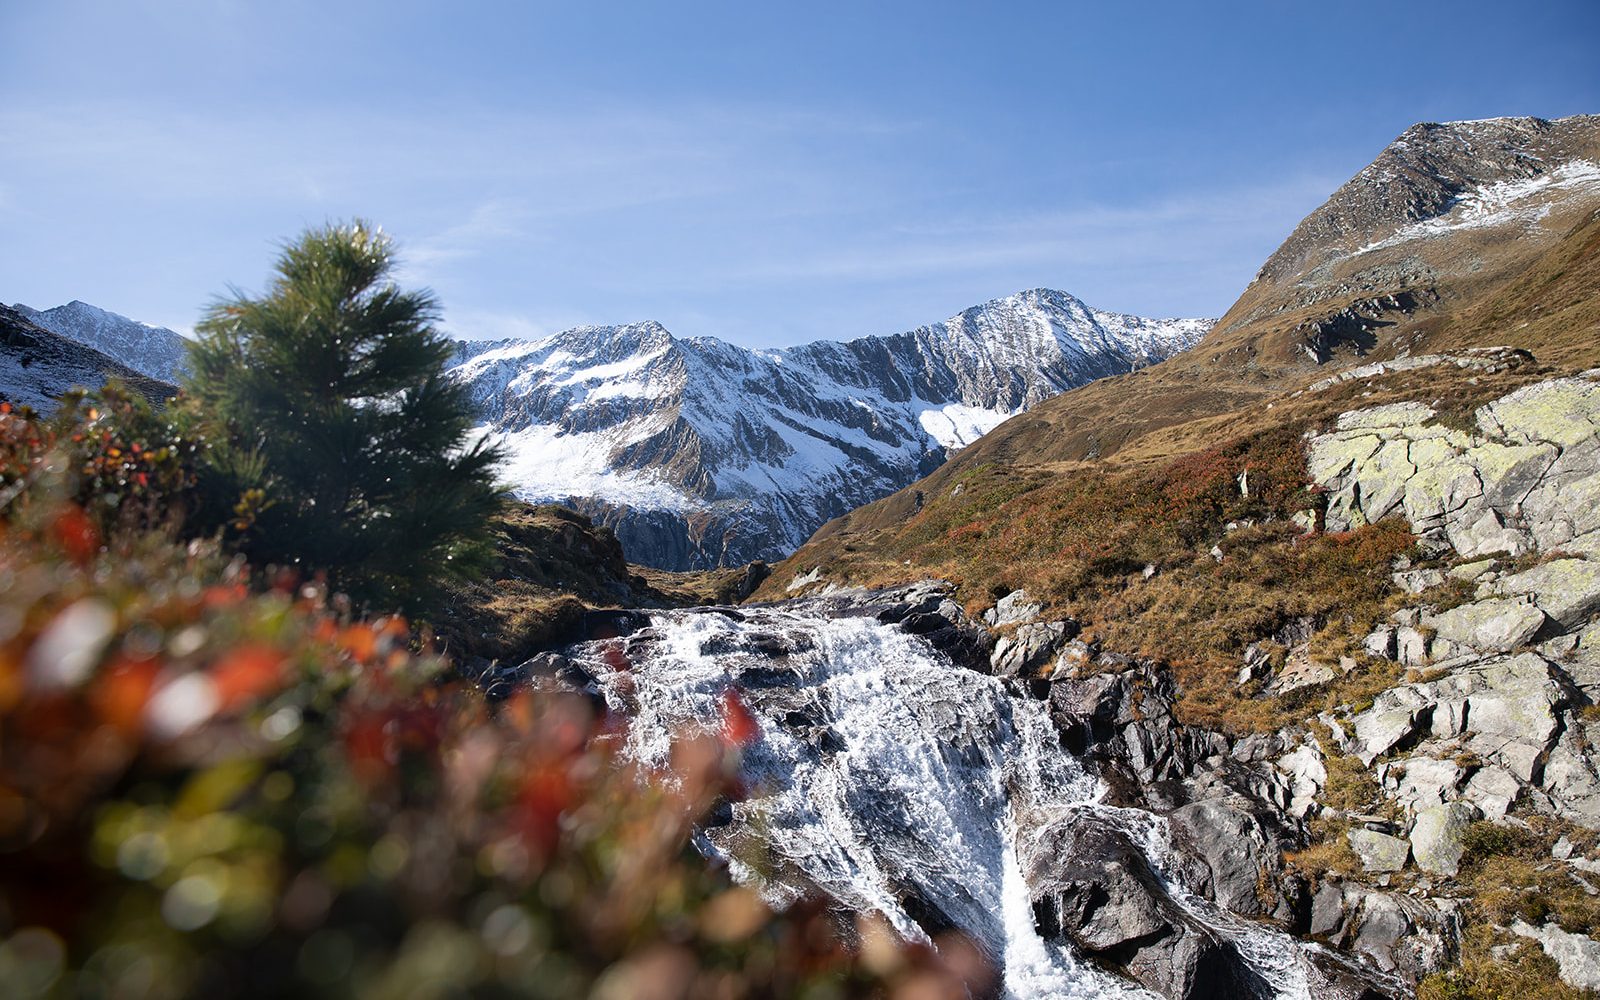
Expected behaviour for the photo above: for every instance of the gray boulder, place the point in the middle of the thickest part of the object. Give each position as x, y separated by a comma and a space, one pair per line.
1397, 934
1421, 782
1436, 837
1578, 955
1030, 648
1567, 589
1494, 626
1013, 608
1239, 853
1379, 852
1091, 886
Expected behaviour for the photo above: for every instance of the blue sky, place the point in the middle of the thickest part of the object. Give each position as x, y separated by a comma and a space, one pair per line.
766, 173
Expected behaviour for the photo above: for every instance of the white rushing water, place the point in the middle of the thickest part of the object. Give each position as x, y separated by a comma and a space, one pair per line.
887, 775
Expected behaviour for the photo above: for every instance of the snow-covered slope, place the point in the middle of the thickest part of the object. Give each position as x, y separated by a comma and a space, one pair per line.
153, 350
699, 453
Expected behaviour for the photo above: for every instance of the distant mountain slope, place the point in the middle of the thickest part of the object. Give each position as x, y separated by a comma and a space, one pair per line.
153, 350
1461, 235
37, 365
699, 453
1441, 218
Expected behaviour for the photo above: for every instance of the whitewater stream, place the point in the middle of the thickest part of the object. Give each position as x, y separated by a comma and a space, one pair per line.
893, 780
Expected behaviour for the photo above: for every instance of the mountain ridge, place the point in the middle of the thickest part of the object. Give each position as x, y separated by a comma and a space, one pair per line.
151, 350
701, 453
38, 364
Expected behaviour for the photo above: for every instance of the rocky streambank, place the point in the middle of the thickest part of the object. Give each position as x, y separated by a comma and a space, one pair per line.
1089, 843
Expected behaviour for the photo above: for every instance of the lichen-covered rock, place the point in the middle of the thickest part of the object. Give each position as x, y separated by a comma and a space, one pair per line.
1493, 790
1397, 716
1379, 852
1510, 472
1419, 783
1493, 626
1436, 837
1482, 531
1530, 479
1560, 411
1570, 778
1577, 955
1568, 590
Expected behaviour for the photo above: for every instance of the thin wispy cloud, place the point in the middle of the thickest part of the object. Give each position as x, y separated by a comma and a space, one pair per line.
1147, 233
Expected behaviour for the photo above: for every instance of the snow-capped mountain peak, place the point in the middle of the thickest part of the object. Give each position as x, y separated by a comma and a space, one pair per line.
702, 453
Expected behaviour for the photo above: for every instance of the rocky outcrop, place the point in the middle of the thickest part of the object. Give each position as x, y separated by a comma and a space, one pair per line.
1396, 933
1514, 502
1527, 478
1234, 808
1577, 955
1494, 724
1093, 886
1506, 510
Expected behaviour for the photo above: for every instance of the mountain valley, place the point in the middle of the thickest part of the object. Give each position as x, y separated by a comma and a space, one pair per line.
1257, 658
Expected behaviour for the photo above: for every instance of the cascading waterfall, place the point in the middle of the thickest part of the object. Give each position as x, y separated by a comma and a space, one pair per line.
891, 779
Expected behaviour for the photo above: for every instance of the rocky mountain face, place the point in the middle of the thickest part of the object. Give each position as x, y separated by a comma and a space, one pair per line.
37, 365
698, 453
1444, 214
153, 351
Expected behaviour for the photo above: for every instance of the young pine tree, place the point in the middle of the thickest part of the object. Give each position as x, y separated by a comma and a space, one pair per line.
335, 441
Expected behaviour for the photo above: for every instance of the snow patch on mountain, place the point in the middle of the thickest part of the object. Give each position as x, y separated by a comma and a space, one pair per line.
545, 463
1526, 200
955, 426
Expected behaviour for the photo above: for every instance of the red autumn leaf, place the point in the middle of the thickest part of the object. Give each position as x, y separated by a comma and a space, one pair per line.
224, 595
358, 641
122, 691
366, 745
546, 794
246, 673
76, 534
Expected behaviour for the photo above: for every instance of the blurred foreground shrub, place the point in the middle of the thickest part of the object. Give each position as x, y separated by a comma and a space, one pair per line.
216, 787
